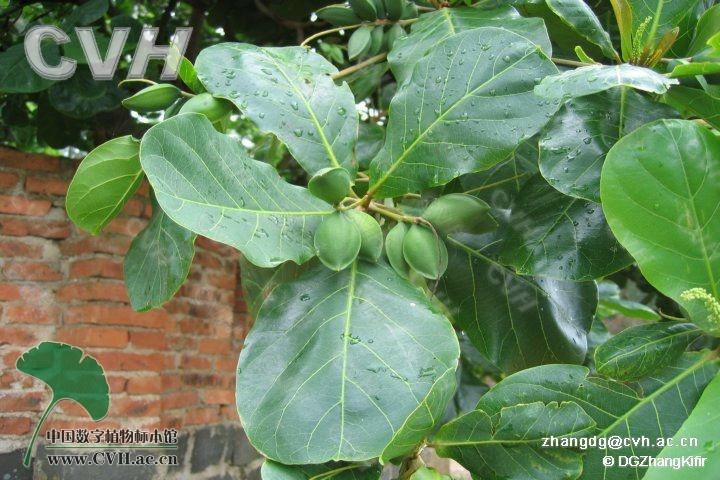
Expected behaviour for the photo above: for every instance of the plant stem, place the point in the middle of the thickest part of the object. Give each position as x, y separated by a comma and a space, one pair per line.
359, 66
571, 63
28, 453
353, 27
375, 207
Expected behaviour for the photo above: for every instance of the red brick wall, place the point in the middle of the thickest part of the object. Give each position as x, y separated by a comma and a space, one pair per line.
169, 367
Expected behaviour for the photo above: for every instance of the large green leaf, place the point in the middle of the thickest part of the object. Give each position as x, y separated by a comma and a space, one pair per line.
694, 102
287, 91
597, 78
511, 445
71, 375
82, 96
158, 261
330, 471
467, 106
583, 20
665, 15
205, 182
553, 235
517, 322
611, 303
16, 74
618, 410
660, 188
707, 27
642, 350
340, 364
432, 28
574, 145
104, 182
703, 428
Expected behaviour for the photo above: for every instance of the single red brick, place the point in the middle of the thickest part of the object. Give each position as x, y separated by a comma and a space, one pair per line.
195, 362
212, 345
117, 384
123, 361
94, 337
17, 336
175, 400
218, 397
9, 291
32, 313
35, 271
8, 180
223, 364
117, 315
223, 281
202, 416
18, 205
20, 249
35, 227
135, 407
26, 401
14, 425
28, 161
93, 291
126, 226
97, 267
149, 340
144, 386
48, 186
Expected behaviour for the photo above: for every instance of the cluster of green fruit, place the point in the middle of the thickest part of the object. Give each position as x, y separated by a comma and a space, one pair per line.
167, 97
416, 247
381, 30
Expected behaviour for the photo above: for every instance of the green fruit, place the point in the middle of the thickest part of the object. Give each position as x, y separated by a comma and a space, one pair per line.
153, 98
338, 15
460, 212
370, 233
380, 8
425, 252
365, 9
331, 184
394, 9
360, 42
395, 33
410, 10
215, 109
337, 241
394, 249
376, 40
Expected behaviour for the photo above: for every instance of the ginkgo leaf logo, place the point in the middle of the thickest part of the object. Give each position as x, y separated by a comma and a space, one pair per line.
70, 374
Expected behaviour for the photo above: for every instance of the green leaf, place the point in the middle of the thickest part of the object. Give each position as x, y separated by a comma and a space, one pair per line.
665, 403
330, 471
287, 91
707, 27
510, 446
433, 28
71, 375
81, 96
694, 69
16, 74
371, 137
461, 112
574, 145
644, 349
578, 15
598, 78
348, 335
188, 75
556, 236
205, 182
158, 261
258, 283
106, 179
703, 427
517, 322
85, 13
665, 15
695, 103
425, 473
611, 304
661, 198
